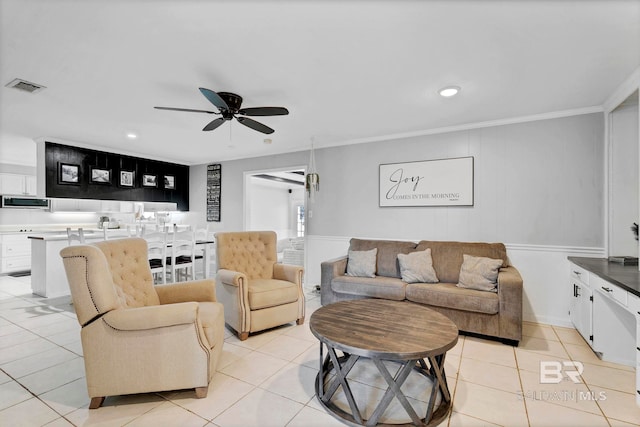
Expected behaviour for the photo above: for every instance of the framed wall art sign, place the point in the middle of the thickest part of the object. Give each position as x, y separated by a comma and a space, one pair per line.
214, 192
149, 180
126, 178
100, 175
445, 182
169, 182
68, 173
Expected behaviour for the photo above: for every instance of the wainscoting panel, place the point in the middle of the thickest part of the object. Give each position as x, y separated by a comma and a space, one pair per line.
544, 269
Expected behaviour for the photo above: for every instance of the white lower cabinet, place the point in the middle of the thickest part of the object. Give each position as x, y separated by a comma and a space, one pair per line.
581, 306
15, 252
614, 329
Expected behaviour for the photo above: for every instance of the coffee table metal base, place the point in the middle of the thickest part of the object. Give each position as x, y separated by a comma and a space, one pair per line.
432, 368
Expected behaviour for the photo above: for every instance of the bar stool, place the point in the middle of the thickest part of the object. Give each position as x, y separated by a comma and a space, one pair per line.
182, 254
75, 236
157, 254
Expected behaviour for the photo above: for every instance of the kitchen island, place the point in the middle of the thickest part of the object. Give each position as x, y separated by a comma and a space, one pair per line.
48, 277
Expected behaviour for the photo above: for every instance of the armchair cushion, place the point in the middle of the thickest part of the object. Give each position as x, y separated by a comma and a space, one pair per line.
265, 293
129, 264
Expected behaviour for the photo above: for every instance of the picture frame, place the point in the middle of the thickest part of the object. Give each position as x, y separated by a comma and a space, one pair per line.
127, 178
149, 180
170, 182
440, 182
68, 173
100, 176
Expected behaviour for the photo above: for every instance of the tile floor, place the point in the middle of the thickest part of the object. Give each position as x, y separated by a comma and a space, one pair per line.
268, 379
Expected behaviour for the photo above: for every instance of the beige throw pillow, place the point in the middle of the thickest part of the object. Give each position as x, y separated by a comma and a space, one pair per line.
417, 267
479, 273
362, 263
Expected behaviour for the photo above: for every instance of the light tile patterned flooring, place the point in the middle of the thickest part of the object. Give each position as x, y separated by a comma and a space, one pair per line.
268, 379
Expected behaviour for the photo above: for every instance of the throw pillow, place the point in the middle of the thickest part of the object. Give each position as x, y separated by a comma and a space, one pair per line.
479, 273
417, 267
362, 263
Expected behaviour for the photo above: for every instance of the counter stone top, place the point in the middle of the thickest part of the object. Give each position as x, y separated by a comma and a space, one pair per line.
625, 276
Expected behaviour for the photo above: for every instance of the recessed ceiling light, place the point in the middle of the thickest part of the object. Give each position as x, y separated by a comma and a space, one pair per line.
132, 135
449, 91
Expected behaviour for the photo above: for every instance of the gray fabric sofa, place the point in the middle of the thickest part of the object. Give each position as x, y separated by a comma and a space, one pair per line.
495, 314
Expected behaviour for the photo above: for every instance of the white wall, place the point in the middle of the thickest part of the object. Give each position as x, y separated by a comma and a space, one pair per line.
539, 188
623, 196
268, 207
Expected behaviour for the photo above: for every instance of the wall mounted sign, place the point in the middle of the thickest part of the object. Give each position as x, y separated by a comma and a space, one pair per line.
100, 175
169, 182
149, 180
447, 182
68, 173
126, 178
214, 190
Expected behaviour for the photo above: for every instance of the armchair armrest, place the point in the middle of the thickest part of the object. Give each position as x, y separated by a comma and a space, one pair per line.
230, 277
196, 290
290, 273
151, 317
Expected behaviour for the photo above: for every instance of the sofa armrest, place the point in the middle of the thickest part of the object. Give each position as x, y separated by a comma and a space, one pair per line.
290, 273
329, 270
510, 297
152, 317
229, 277
334, 267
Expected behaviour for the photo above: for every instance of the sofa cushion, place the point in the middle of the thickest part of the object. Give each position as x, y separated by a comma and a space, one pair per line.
417, 267
265, 293
447, 256
362, 263
450, 296
479, 273
373, 287
388, 250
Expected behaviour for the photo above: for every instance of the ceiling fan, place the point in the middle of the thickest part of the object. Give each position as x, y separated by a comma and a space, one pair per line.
228, 105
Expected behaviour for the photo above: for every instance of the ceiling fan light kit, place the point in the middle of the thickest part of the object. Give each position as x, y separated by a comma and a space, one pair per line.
228, 105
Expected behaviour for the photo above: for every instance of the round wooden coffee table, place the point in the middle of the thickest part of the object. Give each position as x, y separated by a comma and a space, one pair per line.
414, 336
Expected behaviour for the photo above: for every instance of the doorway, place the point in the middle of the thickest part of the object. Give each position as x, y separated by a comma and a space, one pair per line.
275, 200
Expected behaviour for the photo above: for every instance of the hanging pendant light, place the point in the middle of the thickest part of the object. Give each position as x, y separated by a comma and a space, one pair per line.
313, 178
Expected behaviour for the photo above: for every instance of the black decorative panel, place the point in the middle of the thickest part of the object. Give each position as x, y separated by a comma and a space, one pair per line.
81, 173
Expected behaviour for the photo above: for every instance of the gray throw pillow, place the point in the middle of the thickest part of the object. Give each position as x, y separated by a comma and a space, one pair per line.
479, 273
362, 263
417, 267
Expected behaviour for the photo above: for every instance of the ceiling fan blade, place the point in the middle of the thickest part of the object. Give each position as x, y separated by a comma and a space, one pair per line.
264, 111
214, 98
214, 124
188, 110
255, 125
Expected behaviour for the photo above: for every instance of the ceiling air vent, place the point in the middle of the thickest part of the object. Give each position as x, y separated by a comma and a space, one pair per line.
25, 85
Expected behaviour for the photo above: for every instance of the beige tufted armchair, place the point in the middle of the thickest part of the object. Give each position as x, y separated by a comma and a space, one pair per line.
138, 338
257, 292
